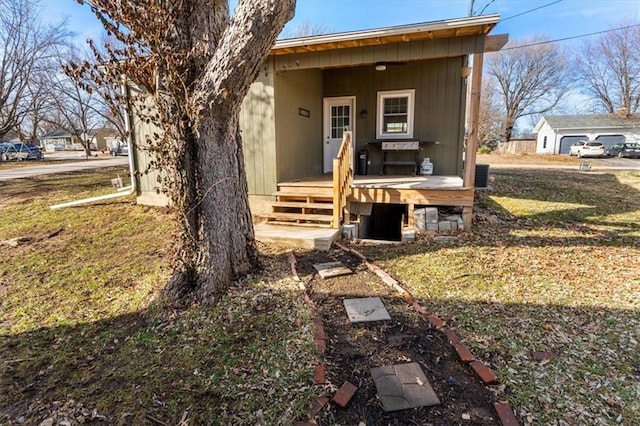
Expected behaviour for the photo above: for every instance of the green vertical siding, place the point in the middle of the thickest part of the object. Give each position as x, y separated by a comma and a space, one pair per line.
439, 112
257, 121
299, 150
408, 51
147, 179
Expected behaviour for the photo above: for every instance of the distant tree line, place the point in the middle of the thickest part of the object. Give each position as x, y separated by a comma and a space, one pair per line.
532, 76
36, 95
528, 78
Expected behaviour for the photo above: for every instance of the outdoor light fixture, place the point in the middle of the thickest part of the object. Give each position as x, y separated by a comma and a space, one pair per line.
381, 66
364, 113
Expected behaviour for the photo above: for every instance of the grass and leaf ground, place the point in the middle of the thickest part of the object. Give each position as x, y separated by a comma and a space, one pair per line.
552, 265
82, 334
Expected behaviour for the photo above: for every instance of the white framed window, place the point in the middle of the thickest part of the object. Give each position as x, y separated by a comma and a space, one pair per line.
395, 114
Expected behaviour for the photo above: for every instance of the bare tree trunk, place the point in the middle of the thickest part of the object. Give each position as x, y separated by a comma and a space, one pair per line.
218, 245
204, 62
218, 242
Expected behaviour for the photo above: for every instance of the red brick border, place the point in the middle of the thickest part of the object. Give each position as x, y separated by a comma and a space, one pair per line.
483, 372
344, 394
505, 414
464, 353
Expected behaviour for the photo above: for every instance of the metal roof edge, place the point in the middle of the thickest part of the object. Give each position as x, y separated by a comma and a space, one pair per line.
389, 31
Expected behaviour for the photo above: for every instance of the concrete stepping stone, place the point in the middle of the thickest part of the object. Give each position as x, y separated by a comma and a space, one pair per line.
403, 386
366, 309
332, 269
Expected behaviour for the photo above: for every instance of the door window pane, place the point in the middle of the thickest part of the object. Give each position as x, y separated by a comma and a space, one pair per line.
339, 120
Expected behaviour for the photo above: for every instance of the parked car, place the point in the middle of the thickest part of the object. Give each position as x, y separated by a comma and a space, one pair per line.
591, 149
624, 150
19, 151
119, 149
573, 149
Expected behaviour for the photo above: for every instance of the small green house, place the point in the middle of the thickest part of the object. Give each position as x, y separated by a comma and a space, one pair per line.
403, 93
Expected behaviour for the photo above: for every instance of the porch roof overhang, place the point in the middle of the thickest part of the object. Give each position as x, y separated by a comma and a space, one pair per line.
458, 27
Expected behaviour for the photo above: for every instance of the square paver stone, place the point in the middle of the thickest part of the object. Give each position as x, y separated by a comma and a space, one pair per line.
366, 309
332, 269
403, 386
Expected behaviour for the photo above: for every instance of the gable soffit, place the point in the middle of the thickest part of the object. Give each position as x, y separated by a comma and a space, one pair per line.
450, 28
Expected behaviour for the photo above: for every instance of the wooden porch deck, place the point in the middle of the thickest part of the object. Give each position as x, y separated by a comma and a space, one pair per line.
385, 181
324, 200
416, 190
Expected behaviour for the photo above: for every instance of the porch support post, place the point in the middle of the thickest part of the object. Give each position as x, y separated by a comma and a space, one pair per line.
472, 137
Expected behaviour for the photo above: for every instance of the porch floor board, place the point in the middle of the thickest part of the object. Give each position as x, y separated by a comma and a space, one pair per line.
385, 181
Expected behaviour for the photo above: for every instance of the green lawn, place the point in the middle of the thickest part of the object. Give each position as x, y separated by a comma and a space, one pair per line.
81, 325
553, 265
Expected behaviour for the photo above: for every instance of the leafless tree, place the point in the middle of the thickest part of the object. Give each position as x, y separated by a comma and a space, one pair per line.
197, 62
26, 47
83, 105
41, 96
531, 78
609, 69
77, 110
305, 29
491, 118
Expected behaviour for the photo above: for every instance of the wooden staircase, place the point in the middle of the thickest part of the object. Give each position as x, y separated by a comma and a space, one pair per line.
297, 203
317, 202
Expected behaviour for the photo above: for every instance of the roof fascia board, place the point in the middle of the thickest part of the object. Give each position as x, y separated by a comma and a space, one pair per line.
446, 24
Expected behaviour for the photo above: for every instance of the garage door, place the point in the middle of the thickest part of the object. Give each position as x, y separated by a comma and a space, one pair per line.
609, 140
567, 141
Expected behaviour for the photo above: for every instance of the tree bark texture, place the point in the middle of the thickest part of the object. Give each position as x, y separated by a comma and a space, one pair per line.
198, 62
217, 242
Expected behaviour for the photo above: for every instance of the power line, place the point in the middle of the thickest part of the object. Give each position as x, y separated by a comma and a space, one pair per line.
570, 38
532, 10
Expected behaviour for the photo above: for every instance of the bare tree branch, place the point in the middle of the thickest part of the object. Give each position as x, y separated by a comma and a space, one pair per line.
530, 80
609, 68
27, 47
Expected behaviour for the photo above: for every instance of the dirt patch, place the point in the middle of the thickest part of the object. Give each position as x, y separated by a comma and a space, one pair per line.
353, 349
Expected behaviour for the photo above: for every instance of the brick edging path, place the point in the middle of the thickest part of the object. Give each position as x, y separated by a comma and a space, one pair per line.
488, 377
343, 395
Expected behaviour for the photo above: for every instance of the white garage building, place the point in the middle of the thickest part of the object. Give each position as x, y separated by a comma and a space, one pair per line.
556, 133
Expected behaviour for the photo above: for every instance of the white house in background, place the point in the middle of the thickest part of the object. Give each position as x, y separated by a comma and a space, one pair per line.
100, 139
556, 133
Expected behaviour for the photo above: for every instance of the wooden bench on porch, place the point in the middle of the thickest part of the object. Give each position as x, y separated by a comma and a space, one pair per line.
404, 153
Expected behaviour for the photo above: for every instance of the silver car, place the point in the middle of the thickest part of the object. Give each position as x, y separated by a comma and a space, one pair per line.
19, 151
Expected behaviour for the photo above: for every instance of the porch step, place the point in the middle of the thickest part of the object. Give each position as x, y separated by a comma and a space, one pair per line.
303, 205
286, 195
299, 217
303, 224
309, 190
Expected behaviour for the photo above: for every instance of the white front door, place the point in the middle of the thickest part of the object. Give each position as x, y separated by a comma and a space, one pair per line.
338, 117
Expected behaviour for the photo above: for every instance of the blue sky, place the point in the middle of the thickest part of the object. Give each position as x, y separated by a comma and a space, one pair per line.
560, 19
